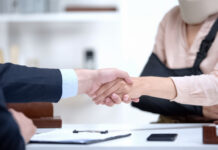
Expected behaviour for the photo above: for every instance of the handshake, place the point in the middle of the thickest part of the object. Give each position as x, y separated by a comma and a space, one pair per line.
108, 86
105, 86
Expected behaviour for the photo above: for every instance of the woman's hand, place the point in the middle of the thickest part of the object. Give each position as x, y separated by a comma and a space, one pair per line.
118, 91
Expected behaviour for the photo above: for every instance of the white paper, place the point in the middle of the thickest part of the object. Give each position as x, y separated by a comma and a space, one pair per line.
68, 135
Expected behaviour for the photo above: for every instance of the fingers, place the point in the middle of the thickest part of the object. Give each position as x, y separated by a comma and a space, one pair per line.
104, 88
109, 102
124, 75
15, 114
105, 94
116, 99
29, 131
26, 126
12, 111
127, 99
110, 74
100, 77
136, 100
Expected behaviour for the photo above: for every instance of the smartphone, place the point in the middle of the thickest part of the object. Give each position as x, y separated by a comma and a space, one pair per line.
162, 137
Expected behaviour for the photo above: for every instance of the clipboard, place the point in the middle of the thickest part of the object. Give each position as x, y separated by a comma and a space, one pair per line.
63, 136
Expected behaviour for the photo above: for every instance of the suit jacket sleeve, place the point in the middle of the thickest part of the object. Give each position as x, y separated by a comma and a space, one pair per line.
10, 137
28, 84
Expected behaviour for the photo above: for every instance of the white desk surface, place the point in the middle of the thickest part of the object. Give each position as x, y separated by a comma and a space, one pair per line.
188, 138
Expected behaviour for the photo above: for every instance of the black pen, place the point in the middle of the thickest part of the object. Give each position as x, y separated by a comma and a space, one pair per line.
91, 131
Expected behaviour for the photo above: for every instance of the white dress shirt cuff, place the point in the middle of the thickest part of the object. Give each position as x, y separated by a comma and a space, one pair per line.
69, 83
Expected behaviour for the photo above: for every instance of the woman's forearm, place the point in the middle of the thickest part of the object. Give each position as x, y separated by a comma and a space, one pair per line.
156, 87
151, 86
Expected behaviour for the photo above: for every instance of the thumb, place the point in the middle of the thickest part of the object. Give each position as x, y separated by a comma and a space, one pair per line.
124, 75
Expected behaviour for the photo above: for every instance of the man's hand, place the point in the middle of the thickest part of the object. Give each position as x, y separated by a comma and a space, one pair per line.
91, 80
27, 128
210, 112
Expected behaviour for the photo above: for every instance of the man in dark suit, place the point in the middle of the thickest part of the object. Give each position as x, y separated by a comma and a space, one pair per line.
10, 136
25, 84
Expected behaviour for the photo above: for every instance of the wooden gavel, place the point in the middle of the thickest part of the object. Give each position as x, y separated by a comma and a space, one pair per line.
209, 134
42, 114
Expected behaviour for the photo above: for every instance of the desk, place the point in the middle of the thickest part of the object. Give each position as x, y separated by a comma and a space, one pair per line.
188, 139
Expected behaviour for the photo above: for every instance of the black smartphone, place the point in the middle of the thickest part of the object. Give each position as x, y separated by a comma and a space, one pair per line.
162, 137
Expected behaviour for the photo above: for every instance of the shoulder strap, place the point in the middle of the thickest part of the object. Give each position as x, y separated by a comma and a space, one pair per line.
206, 44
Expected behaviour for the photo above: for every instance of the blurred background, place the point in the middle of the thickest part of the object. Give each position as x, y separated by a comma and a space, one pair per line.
83, 34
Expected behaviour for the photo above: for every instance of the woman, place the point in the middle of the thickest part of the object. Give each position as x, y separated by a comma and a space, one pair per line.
185, 59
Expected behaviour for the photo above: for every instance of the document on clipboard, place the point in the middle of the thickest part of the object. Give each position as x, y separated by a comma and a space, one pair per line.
66, 136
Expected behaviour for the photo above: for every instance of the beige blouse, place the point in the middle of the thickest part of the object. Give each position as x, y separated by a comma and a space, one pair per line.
172, 49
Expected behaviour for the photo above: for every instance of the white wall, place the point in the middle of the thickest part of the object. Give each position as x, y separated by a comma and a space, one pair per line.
62, 45
4, 39
140, 19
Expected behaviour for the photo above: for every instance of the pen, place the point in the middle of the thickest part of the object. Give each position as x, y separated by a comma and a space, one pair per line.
91, 131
